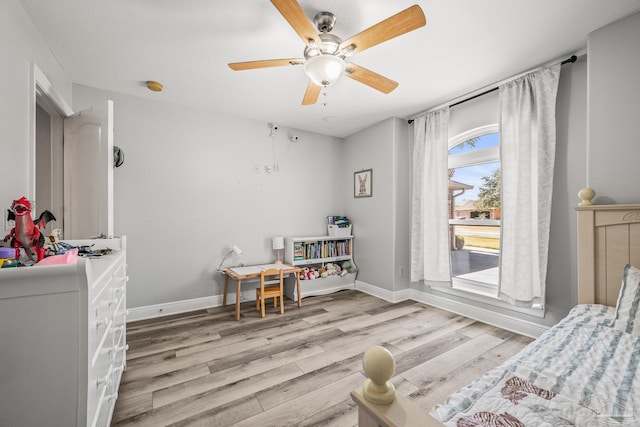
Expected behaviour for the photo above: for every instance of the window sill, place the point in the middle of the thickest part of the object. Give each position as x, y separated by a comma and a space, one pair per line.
484, 293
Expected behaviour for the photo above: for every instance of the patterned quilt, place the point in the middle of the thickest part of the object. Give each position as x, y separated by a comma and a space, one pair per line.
580, 372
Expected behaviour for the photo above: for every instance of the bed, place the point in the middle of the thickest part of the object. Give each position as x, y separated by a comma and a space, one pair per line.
585, 370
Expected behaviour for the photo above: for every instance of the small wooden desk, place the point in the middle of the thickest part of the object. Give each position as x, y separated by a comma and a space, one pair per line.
253, 272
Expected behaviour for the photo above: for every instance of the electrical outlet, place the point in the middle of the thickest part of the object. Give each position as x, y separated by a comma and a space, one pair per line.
401, 271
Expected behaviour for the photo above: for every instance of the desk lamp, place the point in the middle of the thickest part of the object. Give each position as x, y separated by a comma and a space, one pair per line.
277, 243
234, 250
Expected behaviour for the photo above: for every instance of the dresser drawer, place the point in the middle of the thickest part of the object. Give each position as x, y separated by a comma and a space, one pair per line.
104, 407
103, 418
99, 329
119, 359
100, 378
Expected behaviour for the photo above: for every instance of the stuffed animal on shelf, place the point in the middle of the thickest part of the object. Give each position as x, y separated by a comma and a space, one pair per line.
349, 267
322, 272
310, 274
333, 269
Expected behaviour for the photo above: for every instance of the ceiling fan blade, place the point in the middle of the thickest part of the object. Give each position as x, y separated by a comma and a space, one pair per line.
370, 78
394, 26
294, 14
311, 94
265, 63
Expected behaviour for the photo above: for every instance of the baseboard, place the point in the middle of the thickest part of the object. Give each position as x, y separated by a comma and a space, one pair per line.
384, 294
175, 307
509, 323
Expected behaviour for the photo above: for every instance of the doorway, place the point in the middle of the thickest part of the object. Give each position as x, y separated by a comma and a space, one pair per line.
70, 162
48, 161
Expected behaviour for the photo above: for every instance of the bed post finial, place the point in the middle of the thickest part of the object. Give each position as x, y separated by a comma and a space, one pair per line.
586, 195
379, 366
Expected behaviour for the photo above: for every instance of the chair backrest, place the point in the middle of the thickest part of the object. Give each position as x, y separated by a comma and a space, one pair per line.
270, 272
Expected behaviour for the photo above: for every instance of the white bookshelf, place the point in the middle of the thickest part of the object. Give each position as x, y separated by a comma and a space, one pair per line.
316, 251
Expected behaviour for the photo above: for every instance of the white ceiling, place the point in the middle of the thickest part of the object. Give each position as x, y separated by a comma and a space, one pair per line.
116, 45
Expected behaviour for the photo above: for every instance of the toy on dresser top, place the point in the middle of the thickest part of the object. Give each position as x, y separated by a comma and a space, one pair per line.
26, 234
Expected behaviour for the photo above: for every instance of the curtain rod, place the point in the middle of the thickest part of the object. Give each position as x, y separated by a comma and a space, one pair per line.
569, 60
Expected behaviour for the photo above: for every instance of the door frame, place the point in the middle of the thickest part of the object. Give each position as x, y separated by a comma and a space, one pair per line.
40, 86
42, 93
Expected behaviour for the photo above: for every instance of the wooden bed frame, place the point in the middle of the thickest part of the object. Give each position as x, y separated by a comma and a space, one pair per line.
608, 239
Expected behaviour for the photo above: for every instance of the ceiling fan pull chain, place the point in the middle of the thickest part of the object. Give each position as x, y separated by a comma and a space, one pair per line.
324, 94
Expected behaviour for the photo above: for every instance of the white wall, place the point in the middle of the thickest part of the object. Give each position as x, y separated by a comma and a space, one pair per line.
372, 217
614, 96
187, 192
20, 45
402, 205
380, 222
568, 179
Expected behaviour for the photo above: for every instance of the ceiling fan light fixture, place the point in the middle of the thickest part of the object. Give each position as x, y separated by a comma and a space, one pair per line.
324, 69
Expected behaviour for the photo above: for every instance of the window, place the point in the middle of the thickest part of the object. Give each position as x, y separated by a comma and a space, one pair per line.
474, 209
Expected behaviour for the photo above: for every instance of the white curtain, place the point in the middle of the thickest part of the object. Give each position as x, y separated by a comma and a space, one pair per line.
429, 208
527, 156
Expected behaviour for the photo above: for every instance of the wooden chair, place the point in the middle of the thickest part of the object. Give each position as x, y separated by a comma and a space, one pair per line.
274, 292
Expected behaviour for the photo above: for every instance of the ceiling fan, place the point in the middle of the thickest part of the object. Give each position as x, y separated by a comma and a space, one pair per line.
325, 53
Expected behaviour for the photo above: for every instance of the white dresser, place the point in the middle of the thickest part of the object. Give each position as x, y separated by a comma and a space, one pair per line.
62, 340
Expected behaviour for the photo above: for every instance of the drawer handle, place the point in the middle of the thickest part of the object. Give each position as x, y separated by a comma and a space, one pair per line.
113, 396
122, 347
106, 380
109, 303
101, 323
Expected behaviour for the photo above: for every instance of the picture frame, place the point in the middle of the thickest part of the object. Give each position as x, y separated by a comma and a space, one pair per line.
363, 183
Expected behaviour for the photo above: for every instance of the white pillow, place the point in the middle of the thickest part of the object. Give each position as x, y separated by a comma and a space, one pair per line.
628, 306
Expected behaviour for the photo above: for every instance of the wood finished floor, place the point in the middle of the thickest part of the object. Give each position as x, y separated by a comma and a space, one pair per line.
296, 369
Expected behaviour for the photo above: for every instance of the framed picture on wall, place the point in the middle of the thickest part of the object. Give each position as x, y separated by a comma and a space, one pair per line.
363, 183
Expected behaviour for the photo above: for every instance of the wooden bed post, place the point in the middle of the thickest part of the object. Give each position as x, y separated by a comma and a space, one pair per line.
586, 255
399, 411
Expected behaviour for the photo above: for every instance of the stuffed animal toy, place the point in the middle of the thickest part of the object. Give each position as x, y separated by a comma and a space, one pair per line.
349, 267
322, 272
332, 269
310, 274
